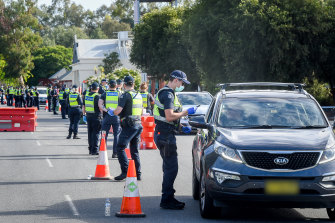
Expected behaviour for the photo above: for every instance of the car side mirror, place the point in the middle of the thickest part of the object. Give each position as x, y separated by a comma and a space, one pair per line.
198, 122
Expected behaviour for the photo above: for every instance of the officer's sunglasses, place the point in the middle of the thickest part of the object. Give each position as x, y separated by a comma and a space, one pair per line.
182, 82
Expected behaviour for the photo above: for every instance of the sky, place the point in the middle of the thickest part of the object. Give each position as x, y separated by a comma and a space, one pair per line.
87, 4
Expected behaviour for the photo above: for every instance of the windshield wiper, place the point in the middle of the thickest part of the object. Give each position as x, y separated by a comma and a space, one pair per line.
310, 127
260, 126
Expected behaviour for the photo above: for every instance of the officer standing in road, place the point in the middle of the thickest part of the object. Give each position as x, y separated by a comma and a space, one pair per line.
10, 97
103, 87
167, 113
130, 110
62, 101
49, 89
75, 103
36, 98
148, 99
54, 95
107, 100
94, 117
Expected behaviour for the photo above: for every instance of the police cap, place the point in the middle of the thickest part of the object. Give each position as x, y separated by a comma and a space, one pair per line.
94, 86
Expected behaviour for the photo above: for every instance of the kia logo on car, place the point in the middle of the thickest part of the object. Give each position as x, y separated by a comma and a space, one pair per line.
281, 161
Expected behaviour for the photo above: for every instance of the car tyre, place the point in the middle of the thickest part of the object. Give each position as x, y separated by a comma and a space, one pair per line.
207, 208
195, 185
331, 213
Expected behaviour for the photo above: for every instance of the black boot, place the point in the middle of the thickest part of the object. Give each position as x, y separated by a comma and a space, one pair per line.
75, 136
69, 136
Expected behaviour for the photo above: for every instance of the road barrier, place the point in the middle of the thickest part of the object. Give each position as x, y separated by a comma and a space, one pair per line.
18, 119
147, 135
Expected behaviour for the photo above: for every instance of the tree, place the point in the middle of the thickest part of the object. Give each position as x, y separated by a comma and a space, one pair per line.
111, 62
64, 36
158, 47
111, 26
49, 60
18, 37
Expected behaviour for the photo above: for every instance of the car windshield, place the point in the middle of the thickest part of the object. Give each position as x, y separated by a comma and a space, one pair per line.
42, 91
270, 113
195, 99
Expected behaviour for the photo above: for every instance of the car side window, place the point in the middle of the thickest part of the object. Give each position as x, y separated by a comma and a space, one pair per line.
210, 111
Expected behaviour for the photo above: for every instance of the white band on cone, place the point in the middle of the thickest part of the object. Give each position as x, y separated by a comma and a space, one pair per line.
103, 158
131, 188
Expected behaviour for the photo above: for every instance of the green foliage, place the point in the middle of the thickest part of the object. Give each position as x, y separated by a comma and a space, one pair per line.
49, 60
2, 67
111, 62
158, 47
111, 26
319, 90
62, 35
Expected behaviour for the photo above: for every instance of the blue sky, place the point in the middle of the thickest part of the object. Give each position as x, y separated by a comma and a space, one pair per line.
87, 4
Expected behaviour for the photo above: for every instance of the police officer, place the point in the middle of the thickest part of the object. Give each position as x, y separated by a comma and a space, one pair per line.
62, 101
119, 86
110, 100
103, 87
94, 117
29, 97
2, 94
148, 99
49, 89
36, 98
10, 97
54, 96
167, 113
129, 109
75, 103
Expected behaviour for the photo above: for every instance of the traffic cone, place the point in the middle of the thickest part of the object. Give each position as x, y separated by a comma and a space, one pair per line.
46, 105
102, 170
127, 150
131, 204
13, 102
60, 108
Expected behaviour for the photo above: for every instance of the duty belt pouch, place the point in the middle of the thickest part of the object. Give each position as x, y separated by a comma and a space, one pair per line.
130, 122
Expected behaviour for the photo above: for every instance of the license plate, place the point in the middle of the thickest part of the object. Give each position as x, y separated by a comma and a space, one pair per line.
282, 187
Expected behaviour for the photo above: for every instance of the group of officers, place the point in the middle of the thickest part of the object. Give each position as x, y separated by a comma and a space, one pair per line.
20, 97
118, 105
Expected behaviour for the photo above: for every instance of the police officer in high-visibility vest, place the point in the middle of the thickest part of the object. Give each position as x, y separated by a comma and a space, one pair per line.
18, 98
94, 117
107, 100
62, 102
167, 113
130, 110
119, 86
75, 103
36, 98
2, 90
10, 96
66, 95
49, 89
148, 99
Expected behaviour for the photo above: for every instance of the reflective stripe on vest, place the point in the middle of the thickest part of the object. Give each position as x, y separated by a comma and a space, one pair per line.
112, 99
60, 96
137, 104
158, 105
73, 100
145, 99
11, 91
89, 102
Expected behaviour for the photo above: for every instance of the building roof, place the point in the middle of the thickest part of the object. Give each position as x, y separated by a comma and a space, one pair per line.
58, 74
64, 75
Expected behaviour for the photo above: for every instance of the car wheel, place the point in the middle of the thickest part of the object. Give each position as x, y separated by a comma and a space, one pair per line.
207, 208
331, 213
195, 185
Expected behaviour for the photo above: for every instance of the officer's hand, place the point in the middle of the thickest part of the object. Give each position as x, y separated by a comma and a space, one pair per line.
192, 110
186, 129
110, 111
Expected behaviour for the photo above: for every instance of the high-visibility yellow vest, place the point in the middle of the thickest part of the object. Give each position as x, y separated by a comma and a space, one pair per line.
48, 92
73, 100
137, 104
60, 96
159, 106
145, 99
18, 92
112, 99
89, 102
11, 91
67, 90
34, 93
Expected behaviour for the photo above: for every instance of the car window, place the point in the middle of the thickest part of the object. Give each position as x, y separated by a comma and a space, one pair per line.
210, 111
42, 91
275, 112
194, 99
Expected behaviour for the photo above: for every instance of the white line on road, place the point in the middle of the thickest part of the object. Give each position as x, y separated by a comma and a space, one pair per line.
74, 209
49, 162
38, 143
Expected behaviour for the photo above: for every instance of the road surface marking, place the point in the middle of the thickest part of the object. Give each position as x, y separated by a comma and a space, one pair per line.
74, 209
38, 143
49, 162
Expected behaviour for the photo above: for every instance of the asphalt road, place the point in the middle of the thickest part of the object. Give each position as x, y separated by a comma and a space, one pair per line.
43, 178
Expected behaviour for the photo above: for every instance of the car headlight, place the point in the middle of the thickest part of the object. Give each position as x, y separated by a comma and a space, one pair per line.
226, 152
329, 153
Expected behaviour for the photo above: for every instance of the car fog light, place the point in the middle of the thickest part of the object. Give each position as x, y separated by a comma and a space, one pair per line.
329, 178
220, 177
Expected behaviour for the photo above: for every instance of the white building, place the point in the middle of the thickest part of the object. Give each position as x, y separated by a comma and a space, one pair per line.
89, 53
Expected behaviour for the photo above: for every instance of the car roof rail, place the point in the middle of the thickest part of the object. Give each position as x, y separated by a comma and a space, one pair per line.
291, 86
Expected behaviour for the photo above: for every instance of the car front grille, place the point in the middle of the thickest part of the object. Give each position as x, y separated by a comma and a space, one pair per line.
268, 161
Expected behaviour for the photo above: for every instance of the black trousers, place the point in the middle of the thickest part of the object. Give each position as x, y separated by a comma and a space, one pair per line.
37, 103
10, 100
93, 130
54, 104
49, 103
74, 115
63, 105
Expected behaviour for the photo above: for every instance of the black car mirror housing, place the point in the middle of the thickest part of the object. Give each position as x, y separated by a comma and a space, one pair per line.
198, 122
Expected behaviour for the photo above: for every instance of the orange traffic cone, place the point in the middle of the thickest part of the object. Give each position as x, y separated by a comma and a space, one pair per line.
46, 105
60, 108
127, 150
13, 102
102, 170
131, 204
